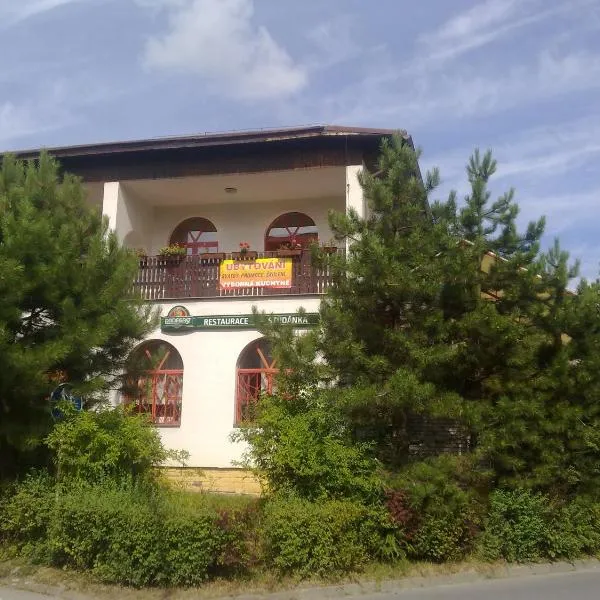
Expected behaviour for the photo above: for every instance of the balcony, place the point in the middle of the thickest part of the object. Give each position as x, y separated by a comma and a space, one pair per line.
169, 278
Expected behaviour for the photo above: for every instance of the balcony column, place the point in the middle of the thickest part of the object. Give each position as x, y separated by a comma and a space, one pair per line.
354, 193
113, 207
129, 218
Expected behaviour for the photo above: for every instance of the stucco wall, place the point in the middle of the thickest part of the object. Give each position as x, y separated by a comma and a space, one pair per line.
242, 221
210, 357
131, 218
209, 361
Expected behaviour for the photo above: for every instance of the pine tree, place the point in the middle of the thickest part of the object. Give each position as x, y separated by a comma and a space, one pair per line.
66, 310
447, 314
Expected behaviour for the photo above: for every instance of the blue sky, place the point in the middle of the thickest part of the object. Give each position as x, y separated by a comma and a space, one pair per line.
519, 76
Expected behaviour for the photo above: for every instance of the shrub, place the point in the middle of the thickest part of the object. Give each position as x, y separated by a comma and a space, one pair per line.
300, 447
320, 538
106, 443
517, 526
441, 538
111, 529
26, 510
215, 532
141, 536
437, 513
574, 530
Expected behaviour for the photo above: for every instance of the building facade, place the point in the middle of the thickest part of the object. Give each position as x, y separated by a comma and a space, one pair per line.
222, 224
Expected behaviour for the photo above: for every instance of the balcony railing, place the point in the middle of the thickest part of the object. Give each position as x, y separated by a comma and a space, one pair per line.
164, 278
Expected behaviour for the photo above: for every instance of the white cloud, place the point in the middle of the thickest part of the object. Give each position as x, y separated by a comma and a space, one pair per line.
335, 42
217, 40
392, 97
476, 26
20, 121
550, 77
13, 11
15, 122
483, 24
54, 106
531, 157
565, 211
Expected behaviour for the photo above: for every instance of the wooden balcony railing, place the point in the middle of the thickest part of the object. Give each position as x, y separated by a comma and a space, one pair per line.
165, 278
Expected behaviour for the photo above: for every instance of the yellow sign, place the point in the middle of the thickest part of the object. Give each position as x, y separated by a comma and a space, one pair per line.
261, 272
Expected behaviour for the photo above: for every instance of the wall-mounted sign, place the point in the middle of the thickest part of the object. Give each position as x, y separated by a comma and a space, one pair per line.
260, 272
187, 322
178, 311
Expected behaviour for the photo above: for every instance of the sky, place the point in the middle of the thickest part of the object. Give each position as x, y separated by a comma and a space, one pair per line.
521, 77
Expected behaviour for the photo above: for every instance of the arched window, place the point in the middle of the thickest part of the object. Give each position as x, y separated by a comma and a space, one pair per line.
291, 230
256, 371
155, 382
197, 234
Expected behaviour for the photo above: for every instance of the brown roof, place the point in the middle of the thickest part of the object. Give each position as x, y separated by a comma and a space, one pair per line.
222, 153
214, 139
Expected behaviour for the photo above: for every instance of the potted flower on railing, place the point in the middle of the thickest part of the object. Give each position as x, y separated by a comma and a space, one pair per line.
291, 248
329, 247
244, 253
142, 256
207, 257
173, 254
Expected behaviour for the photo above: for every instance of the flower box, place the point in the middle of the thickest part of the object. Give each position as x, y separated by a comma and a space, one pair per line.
289, 252
249, 255
171, 260
212, 256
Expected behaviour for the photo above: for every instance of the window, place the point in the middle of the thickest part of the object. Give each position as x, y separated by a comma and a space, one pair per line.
155, 382
255, 375
291, 229
198, 235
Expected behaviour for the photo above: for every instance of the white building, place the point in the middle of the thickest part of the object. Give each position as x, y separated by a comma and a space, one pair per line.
271, 190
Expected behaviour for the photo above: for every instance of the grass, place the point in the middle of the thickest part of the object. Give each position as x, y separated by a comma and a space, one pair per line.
19, 573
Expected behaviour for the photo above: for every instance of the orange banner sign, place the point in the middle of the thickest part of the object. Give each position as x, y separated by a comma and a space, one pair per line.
261, 272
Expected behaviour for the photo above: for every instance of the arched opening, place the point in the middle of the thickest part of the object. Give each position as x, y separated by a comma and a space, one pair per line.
255, 375
197, 235
291, 230
155, 382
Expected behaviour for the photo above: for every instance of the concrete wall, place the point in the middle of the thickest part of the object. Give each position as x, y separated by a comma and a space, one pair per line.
241, 222
209, 362
147, 222
131, 218
210, 357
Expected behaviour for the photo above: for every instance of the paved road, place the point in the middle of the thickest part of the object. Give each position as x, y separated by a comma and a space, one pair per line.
9, 594
584, 585
581, 585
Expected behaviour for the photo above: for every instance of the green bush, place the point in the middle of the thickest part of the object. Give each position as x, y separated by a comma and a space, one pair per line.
300, 447
107, 443
110, 529
517, 526
438, 511
441, 538
140, 536
26, 510
574, 530
214, 533
319, 538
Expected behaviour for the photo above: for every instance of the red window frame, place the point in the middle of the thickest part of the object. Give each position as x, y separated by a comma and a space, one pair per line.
292, 222
157, 392
251, 384
189, 232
